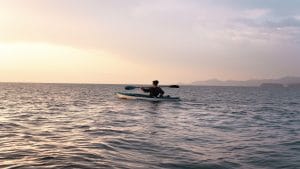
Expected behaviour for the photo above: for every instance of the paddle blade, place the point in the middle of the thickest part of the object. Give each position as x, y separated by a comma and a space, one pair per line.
130, 87
173, 86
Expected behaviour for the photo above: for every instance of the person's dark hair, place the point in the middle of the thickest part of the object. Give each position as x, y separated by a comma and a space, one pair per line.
155, 82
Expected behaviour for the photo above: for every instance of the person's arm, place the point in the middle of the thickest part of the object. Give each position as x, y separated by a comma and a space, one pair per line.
146, 90
161, 92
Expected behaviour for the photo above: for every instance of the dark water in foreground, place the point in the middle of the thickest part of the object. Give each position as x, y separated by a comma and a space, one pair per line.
86, 126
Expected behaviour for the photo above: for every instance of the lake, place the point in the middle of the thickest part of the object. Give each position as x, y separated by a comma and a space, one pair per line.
87, 126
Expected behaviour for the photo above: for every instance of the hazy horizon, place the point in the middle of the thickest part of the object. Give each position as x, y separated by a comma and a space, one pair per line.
137, 41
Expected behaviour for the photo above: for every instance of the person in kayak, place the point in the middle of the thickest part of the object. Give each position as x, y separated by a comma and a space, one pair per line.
154, 91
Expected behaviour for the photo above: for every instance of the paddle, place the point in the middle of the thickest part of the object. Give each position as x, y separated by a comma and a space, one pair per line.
134, 87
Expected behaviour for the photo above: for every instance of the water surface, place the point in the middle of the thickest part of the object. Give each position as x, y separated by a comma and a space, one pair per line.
86, 126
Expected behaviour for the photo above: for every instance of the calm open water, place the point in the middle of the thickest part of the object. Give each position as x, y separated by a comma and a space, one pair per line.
86, 126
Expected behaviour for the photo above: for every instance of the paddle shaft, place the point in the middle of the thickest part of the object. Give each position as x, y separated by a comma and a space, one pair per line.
134, 87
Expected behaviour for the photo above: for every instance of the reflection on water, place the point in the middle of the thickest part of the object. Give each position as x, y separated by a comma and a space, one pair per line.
86, 126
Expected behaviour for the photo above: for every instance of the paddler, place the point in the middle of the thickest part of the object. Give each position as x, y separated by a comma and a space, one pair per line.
154, 91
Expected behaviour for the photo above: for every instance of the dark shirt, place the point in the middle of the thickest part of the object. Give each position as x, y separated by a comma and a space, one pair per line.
154, 91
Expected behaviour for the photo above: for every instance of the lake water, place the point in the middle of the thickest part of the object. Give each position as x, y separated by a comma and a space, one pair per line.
86, 126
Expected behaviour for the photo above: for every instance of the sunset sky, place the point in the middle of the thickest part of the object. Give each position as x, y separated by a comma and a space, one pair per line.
137, 41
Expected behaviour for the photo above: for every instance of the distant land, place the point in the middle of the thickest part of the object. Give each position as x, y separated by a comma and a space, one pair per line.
285, 81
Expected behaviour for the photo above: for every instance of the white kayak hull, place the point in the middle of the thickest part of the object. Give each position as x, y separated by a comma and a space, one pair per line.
135, 96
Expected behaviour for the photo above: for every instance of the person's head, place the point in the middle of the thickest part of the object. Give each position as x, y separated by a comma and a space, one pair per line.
155, 82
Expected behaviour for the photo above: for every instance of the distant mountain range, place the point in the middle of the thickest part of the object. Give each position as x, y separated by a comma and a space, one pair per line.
253, 82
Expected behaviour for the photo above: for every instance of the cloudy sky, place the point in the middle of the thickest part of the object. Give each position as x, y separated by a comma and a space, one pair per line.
136, 41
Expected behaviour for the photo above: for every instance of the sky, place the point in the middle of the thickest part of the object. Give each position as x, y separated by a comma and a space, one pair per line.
137, 41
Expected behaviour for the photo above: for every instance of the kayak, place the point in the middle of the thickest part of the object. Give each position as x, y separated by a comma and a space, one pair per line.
136, 96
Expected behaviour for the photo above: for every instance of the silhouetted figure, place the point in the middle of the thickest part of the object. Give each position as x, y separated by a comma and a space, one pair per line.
154, 91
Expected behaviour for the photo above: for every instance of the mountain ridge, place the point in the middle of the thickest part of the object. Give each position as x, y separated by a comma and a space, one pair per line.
287, 80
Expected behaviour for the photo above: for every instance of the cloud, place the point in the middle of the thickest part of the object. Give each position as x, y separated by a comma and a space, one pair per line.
297, 17
255, 13
284, 22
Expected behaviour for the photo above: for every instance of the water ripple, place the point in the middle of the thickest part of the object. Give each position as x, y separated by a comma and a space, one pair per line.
86, 126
